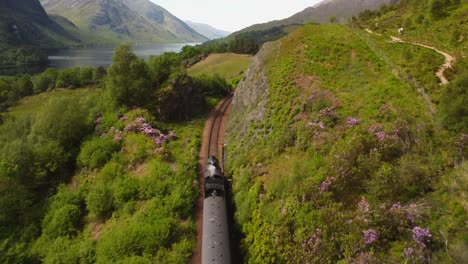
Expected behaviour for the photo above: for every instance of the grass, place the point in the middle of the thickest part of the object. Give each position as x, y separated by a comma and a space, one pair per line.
318, 78
446, 34
228, 65
30, 105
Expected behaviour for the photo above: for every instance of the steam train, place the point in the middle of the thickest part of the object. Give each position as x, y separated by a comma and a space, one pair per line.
215, 237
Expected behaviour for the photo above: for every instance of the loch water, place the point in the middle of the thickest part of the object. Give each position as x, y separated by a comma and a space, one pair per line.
91, 57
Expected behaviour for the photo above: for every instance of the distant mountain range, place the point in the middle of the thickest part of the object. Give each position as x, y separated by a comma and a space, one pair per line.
124, 20
24, 22
321, 13
207, 30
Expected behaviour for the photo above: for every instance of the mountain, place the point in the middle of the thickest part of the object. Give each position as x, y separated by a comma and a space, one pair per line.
207, 30
321, 13
341, 9
162, 18
124, 20
24, 22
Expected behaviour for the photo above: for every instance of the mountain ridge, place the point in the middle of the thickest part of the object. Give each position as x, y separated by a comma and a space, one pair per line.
207, 30
321, 13
124, 20
26, 23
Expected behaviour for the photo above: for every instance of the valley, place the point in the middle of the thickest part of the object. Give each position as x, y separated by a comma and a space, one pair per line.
341, 142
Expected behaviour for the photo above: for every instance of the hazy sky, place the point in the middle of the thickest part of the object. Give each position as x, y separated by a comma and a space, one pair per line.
233, 15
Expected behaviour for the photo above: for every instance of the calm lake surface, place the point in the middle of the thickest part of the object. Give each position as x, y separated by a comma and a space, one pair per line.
95, 57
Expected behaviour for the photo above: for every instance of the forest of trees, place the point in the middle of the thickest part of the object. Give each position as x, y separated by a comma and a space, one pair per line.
22, 55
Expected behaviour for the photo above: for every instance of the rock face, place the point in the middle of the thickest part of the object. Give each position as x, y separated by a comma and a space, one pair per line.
161, 17
251, 95
124, 20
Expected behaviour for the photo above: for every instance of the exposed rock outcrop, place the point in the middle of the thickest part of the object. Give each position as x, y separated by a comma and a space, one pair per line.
251, 96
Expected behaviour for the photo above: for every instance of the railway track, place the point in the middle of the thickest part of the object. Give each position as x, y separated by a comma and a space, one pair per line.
215, 143
212, 144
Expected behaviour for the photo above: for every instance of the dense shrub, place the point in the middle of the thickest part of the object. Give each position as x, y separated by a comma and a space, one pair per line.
64, 221
213, 86
454, 105
100, 201
182, 100
96, 152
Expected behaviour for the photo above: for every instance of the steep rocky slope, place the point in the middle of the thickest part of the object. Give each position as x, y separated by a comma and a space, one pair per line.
162, 18
26, 23
124, 20
336, 158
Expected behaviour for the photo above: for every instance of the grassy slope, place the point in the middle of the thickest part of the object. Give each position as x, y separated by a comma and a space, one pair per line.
312, 69
448, 34
228, 65
31, 104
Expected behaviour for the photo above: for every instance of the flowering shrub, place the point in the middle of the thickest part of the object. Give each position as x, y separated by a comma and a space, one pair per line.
140, 125
316, 124
326, 184
421, 235
370, 236
352, 121
313, 241
408, 252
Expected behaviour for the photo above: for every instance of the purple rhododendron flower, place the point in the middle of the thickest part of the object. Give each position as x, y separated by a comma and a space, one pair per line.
421, 235
319, 124
408, 252
370, 236
363, 205
326, 184
313, 241
352, 121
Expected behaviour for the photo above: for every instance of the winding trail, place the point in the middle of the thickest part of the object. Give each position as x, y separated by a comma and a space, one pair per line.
449, 59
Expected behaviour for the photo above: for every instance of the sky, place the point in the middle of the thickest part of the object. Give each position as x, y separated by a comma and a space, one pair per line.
233, 15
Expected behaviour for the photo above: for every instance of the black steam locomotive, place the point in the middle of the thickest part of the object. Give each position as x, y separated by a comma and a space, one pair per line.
215, 243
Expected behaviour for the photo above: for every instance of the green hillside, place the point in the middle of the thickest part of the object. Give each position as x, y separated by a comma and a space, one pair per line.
339, 155
229, 66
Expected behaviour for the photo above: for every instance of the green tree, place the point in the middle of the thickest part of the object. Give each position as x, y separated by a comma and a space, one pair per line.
41, 83
128, 79
182, 100
161, 67
24, 86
